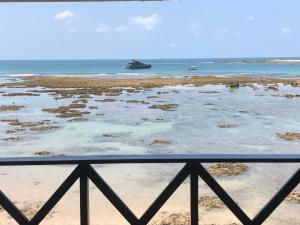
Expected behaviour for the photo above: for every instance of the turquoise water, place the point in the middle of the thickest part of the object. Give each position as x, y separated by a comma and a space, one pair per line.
176, 67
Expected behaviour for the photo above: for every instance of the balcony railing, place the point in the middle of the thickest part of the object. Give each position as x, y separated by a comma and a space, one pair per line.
193, 168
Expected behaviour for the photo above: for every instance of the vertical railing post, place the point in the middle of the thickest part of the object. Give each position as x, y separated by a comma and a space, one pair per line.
84, 196
194, 193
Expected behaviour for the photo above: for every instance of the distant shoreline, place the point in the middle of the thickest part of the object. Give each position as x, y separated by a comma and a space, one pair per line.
274, 61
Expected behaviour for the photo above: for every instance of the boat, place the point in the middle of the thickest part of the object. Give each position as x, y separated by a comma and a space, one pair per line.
193, 68
135, 64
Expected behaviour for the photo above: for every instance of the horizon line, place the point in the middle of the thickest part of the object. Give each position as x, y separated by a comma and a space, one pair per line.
244, 57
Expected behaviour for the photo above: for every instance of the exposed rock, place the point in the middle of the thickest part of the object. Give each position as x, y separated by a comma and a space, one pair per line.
77, 106
60, 109
85, 96
227, 169
296, 83
16, 122
227, 125
93, 107
291, 95
10, 139
43, 153
116, 93
20, 94
70, 113
81, 101
243, 111
10, 107
212, 202
182, 218
137, 102
155, 96
109, 135
234, 84
294, 197
160, 142
162, 92
44, 128
64, 112
97, 86
15, 130
209, 92
289, 136
272, 87
106, 100
165, 107
78, 119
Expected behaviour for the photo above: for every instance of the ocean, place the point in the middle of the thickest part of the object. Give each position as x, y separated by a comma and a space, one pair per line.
165, 67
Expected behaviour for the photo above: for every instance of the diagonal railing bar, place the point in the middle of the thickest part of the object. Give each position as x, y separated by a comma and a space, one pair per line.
269, 208
165, 195
223, 195
112, 196
12, 210
54, 199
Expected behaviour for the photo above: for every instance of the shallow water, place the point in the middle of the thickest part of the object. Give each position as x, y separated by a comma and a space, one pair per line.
192, 128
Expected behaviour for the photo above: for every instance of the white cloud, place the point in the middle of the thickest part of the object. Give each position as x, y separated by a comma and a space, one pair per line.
250, 18
172, 45
195, 28
103, 28
72, 30
220, 32
67, 14
121, 28
144, 22
286, 30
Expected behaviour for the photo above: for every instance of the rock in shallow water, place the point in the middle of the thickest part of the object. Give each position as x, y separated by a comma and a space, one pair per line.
212, 202
289, 136
294, 197
10, 107
227, 169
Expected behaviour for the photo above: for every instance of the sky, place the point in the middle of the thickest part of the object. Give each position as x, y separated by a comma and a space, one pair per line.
170, 29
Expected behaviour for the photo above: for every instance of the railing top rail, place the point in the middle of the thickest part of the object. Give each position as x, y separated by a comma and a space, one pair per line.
170, 158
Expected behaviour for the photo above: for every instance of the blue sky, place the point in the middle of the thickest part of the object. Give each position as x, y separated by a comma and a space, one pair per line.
172, 29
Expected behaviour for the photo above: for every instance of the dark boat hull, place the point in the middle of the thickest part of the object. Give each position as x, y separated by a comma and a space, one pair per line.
134, 67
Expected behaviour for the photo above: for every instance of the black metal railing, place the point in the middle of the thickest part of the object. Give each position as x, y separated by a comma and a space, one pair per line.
193, 168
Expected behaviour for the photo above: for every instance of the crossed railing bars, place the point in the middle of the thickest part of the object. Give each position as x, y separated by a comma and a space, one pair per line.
193, 168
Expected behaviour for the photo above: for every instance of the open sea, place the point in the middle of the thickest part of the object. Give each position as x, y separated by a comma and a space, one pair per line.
168, 67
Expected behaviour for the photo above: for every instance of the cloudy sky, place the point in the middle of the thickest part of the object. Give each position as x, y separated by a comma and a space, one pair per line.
172, 29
